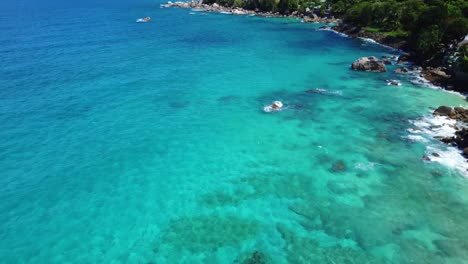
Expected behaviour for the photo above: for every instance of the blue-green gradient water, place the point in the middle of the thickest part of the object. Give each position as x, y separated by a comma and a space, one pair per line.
146, 143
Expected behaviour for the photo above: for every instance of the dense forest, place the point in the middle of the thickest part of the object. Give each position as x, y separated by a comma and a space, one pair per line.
430, 27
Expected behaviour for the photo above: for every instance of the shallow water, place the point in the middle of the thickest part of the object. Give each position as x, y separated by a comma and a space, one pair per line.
128, 142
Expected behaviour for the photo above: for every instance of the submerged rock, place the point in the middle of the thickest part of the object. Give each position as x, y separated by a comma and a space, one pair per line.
256, 258
339, 166
369, 64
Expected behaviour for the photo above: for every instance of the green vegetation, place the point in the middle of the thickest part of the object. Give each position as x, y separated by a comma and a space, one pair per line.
463, 58
430, 26
282, 6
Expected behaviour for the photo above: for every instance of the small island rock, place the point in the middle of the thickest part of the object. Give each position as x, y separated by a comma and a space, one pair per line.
369, 64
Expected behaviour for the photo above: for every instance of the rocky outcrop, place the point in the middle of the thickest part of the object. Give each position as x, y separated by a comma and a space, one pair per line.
460, 139
457, 113
450, 79
437, 76
405, 57
305, 17
401, 70
371, 64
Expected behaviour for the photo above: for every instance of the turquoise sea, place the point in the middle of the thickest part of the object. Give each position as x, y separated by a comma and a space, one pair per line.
124, 142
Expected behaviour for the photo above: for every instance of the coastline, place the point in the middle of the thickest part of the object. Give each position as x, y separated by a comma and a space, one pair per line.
438, 76
434, 78
306, 17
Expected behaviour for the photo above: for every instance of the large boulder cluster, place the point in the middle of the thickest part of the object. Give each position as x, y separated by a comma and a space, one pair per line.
460, 139
371, 64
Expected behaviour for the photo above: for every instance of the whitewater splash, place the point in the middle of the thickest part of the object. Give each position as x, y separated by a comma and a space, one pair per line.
417, 79
334, 31
429, 127
371, 41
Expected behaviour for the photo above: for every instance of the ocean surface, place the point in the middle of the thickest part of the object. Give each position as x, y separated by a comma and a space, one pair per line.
124, 142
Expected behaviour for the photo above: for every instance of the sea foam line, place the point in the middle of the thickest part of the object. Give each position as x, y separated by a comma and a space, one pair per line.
429, 127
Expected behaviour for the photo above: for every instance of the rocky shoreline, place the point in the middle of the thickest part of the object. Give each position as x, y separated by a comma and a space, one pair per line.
438, 76
306, 17
460, 138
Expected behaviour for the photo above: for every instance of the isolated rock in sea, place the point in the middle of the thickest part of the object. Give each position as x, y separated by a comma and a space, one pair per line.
369, 64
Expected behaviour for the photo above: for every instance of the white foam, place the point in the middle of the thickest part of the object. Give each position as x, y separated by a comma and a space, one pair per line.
431, 126
269, 108
334, 31
393, 82
436, 126
449, 157
368, 40
417, 138
419, 80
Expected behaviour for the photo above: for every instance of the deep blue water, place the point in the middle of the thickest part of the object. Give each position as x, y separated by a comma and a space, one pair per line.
146, 143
